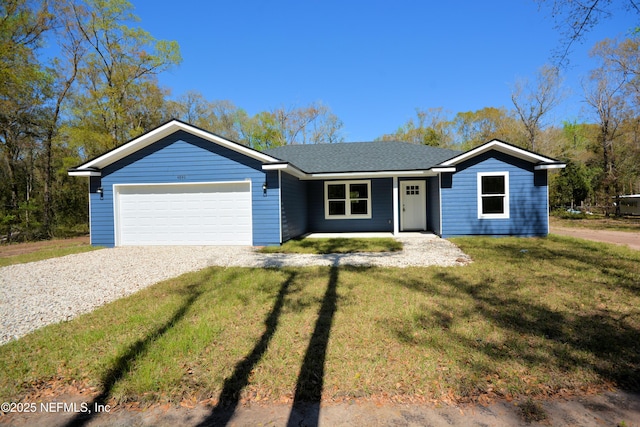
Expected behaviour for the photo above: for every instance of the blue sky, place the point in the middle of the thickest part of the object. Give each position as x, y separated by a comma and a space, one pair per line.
372, 62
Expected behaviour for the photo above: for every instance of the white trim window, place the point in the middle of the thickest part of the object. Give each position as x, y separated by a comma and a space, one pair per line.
493, 195
347, 199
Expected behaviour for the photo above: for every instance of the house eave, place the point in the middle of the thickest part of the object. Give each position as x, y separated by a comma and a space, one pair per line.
547, 166
75, 172
444, 169
285, 167
502, 147
292, 170
370, 174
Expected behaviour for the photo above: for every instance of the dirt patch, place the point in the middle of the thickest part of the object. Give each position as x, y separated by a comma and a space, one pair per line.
613, 408
630, 239
29, 247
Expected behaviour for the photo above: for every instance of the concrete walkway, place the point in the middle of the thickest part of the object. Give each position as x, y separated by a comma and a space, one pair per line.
418, 250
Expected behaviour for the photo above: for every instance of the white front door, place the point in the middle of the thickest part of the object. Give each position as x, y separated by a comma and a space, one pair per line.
413, 206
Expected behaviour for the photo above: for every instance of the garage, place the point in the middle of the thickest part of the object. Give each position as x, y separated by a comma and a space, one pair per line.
211, 213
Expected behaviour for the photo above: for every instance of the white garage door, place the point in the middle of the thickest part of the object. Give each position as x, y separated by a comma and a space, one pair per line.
184, 214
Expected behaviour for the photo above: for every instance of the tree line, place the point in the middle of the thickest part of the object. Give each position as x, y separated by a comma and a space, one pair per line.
79, 77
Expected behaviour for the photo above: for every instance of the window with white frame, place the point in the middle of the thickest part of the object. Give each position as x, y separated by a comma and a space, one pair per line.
493, 195
347, 199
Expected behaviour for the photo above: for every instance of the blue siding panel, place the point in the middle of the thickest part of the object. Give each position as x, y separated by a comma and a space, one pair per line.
527, 198
101, 214
381, 210
183, 158
294, 206
433, 204
266, 209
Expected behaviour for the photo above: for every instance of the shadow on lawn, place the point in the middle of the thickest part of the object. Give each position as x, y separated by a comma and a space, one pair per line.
136, 351
308, 394
598, 338
590, 337
233, 386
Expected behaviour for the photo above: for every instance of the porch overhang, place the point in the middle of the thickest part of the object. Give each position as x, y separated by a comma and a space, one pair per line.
286, 167
300, 174
84, 172
547, 166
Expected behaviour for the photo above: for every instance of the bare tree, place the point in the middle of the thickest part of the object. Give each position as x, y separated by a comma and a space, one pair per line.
313, 124
604, 96
534, 102
432, 127
575, 18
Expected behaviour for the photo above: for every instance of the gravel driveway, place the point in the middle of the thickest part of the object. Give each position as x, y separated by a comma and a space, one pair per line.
58, 289
628, 238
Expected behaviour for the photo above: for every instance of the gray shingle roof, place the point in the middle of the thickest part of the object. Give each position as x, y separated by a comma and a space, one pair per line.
362, 156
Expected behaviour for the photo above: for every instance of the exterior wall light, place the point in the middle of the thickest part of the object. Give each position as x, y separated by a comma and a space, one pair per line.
100, 192
264, 188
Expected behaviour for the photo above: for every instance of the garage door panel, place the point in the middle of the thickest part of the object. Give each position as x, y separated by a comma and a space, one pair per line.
184, 214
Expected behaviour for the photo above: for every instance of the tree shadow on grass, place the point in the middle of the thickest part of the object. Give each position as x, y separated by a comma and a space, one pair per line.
230, 396
592, 339
308, 394
135, 352
612, 342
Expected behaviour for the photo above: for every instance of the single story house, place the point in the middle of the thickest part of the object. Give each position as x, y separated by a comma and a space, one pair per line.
181, 185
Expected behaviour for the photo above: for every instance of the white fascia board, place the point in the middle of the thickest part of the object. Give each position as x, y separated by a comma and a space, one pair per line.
441, 170
380, 174
287, 167
166, 130
503, 148
550, 166
84, 173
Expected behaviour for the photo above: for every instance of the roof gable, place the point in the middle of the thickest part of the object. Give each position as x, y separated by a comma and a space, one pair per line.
543, 162
93, 166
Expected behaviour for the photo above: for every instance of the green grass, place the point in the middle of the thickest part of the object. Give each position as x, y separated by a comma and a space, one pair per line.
46, 253
529, 318
335, 246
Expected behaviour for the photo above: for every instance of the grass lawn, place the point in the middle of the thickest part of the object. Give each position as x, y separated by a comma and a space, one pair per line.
36, 251
530, 317
338, 245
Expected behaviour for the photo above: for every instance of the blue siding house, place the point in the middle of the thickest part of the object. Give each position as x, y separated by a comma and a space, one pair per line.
181, 185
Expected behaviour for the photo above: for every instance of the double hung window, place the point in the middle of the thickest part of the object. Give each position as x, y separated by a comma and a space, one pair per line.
493, 195
347, 199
